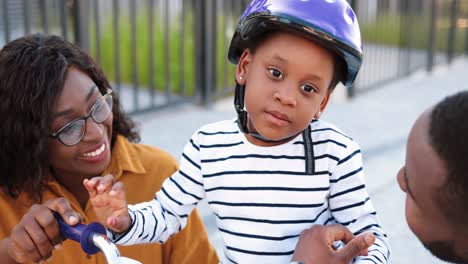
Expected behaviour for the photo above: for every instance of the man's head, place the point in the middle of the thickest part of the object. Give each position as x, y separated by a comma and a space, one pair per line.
435, 179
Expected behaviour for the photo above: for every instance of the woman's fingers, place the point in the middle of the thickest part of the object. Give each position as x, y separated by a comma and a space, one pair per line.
40, 239
63, 208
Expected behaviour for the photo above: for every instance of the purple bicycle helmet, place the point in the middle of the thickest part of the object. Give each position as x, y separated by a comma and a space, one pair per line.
330, 22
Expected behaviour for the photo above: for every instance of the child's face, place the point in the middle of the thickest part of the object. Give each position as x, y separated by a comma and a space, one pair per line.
286, 80
422, 176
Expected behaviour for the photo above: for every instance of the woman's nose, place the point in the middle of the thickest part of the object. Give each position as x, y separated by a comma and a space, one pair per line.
93, 130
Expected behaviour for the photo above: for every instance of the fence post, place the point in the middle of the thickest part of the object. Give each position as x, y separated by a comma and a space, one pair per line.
405, 43
200, 52
466, 40
211, 47
6, 26
352, 89
432, 36
80, 10
452, 31
205, 43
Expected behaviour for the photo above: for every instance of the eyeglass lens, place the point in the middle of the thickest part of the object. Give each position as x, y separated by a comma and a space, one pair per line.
73, 133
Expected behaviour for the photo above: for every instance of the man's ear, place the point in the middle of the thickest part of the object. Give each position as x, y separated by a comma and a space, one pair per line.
243, 67
323, 105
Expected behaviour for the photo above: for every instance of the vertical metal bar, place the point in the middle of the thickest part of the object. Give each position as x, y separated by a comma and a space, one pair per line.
210, 45
116, 43
167, 51
63, 18
225, 11
44, 15
452, 31
97, 32
182, 50
229, 26
26, 14
208, 52
80, 17
432, 37
404, 41
352, 89
151, 66
200, 31
6, 26
466, 38
134, 55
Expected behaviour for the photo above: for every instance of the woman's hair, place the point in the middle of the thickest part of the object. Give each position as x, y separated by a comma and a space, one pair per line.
32, 75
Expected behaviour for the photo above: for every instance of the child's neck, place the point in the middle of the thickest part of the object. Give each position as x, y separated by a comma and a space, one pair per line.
261, 143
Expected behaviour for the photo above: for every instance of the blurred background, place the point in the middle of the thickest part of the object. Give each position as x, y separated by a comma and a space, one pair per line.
158, 53
168, 61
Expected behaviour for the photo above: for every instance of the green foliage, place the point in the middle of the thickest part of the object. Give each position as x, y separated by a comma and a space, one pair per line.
388, 30
164, 59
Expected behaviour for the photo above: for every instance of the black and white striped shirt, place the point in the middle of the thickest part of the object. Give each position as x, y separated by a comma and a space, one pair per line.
261, 196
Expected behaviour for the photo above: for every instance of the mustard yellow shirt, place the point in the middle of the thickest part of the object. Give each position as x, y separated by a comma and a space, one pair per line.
142, 169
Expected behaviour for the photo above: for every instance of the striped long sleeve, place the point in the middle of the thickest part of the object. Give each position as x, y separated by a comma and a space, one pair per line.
165, 215
350, 204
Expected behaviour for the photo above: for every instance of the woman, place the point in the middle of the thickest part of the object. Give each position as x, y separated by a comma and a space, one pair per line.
61, 124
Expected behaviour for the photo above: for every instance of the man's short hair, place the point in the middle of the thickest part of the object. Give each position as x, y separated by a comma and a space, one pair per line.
448, 135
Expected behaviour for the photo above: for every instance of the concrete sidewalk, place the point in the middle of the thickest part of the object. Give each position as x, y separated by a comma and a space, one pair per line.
379, 121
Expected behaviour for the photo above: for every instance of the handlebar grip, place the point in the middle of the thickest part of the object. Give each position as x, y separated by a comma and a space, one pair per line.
81, 233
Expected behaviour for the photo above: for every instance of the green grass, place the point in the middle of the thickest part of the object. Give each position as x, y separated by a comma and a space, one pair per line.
387, 30
143, 50
174, 59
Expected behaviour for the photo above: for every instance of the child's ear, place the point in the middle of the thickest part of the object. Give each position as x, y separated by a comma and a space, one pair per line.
243, 67
323, 105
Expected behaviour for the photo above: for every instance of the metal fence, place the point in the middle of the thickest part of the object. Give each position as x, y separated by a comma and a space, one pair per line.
162, 52
401, 37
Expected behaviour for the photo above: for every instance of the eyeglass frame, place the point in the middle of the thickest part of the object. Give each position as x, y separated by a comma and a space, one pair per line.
55, 135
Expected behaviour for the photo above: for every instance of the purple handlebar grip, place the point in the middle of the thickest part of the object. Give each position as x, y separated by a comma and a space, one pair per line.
81, 233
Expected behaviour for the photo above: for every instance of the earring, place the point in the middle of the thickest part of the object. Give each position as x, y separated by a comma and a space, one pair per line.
240, 77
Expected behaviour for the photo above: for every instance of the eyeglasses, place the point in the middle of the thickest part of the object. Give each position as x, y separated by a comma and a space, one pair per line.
72, 133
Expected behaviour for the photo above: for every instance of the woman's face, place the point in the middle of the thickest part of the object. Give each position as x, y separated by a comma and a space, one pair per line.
90, 156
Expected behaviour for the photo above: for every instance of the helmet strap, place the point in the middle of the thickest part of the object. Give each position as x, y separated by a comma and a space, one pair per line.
242, 116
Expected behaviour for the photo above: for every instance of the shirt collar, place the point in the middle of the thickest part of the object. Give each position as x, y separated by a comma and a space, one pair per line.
124, 158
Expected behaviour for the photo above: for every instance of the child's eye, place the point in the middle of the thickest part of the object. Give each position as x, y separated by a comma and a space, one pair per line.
308, 88
276, 73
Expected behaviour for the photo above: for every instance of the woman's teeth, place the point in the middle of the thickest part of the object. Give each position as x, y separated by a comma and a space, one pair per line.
96, 152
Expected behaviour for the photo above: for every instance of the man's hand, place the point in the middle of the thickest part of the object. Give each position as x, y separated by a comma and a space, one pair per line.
109, 202
315, 245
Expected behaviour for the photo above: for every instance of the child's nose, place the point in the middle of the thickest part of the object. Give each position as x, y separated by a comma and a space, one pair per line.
285, 96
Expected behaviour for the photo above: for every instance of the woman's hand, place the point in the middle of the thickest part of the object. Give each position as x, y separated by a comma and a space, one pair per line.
109, 202
38, 234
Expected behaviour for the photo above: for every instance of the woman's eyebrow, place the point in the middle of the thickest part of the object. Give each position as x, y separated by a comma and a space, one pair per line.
91, 91
69, 111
